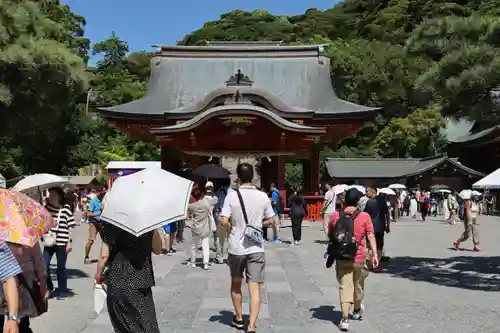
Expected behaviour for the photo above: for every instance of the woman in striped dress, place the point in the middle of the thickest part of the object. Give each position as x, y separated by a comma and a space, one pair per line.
64, 220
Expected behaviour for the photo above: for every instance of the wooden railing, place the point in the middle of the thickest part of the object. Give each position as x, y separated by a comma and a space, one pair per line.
314, 204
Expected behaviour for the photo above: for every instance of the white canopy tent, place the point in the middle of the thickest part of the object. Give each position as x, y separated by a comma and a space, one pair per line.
491, 181
3, 181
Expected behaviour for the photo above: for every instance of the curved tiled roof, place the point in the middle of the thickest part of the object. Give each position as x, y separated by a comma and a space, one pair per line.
351, 168
237, 109
485, 135
296, 76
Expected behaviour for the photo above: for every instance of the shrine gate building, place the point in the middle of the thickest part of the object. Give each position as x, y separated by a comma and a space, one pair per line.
258, 100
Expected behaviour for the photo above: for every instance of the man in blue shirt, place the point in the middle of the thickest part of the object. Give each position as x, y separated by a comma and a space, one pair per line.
276, 203
9, 268
95, 226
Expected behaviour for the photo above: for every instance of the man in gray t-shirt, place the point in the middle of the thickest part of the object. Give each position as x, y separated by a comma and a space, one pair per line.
245, 255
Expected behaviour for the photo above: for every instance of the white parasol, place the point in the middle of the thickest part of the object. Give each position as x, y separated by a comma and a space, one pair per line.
386, 190
465, 194
360, 188
397, 186
39, 182
339, 188
146, 200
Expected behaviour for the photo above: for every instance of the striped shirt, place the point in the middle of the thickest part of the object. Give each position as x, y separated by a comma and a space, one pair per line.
64, 220
8, 263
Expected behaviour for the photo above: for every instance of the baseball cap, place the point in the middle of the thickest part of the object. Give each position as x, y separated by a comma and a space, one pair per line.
209, 184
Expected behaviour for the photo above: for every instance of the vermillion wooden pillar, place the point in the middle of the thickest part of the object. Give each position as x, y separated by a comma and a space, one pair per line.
314, 169
170, 160
281, 173
193, 161
306, 177
281, 177
266, 173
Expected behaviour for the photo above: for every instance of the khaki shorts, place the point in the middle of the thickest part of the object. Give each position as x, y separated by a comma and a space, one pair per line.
94, 229
252, 265
351, 279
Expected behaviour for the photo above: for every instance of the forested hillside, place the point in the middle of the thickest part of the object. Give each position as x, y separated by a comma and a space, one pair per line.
419, 60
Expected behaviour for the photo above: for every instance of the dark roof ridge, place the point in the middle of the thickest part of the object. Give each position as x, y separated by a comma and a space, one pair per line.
375, 158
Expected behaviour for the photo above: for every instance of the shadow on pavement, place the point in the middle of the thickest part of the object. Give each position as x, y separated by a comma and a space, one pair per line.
326, 313
224, 317
465, 272
72, 273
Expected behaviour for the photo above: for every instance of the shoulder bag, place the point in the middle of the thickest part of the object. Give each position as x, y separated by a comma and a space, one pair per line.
50, 237
253, 234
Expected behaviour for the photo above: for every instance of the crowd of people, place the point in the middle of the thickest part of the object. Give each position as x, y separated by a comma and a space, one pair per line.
234, 222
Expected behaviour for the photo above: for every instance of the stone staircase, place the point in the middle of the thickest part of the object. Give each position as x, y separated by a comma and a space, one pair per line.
230, 163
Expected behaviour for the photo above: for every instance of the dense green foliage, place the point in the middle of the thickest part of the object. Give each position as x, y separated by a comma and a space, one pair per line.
419, 60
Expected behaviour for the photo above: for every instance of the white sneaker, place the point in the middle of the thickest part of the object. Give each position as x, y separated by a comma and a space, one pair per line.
358, 315
344, 325
206, 267
191, 264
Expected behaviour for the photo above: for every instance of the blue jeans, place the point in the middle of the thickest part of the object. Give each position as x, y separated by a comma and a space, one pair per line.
61, 258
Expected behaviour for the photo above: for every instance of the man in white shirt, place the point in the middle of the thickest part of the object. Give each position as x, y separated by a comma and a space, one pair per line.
328, 207
246, 256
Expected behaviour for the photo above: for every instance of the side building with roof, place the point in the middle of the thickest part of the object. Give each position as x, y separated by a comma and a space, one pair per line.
476, 145
229, 101
423, 173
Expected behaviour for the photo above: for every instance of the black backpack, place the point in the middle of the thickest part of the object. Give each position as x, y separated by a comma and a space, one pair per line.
342, 244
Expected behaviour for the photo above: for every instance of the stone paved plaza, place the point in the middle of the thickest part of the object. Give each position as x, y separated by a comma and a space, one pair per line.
426, 287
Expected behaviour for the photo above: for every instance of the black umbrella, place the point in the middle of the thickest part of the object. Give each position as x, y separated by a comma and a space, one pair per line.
211, 171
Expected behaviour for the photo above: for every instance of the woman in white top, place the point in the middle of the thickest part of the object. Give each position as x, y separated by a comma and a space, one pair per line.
413, 207
470, 225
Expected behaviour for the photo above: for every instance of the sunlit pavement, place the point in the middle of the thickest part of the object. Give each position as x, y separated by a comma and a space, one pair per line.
425, 287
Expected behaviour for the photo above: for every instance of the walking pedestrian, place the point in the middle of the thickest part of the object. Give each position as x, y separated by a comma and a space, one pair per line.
297, 213
130, 303
33, 292
95, 226
351, 267
221, 248
277, 204
329, 205
9, 269
249, 210
379, 216
452, 207
65, 221
201, 228
471, 209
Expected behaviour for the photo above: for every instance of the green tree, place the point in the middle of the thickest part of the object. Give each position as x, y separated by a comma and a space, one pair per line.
466, 64
41, 76
118, 78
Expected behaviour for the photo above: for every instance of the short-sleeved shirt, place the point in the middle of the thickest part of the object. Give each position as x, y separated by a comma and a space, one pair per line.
95, 206
9, 266
258, 209
276, 200
64, 220
362, 227
330, 200
377, 209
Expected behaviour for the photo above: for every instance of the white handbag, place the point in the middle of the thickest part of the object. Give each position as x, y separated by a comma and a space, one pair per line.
50, 237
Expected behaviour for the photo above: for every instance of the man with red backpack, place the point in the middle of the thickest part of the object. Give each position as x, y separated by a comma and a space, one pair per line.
348, 232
